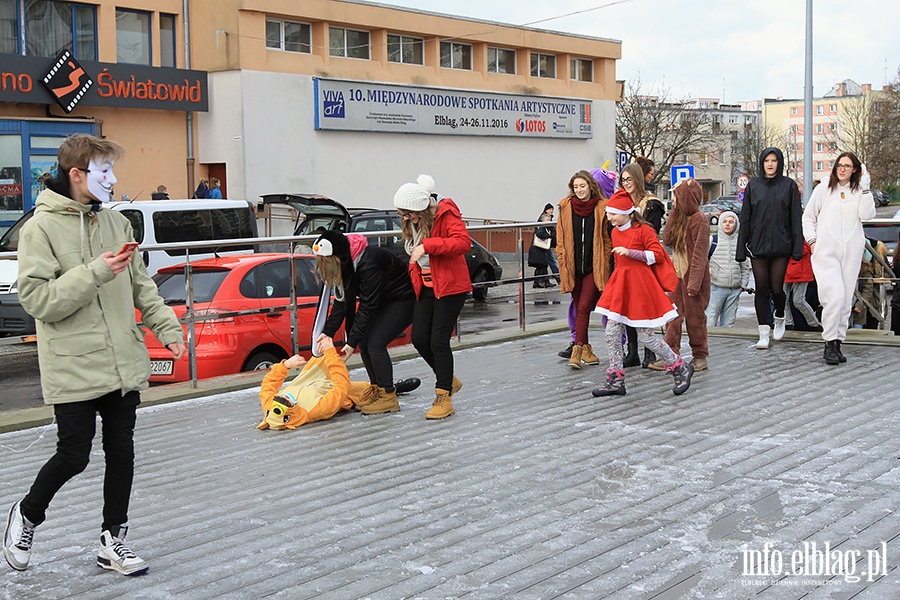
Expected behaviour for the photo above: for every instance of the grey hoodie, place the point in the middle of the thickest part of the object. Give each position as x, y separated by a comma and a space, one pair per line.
725, 271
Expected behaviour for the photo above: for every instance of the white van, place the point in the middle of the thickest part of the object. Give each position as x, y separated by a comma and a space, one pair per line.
154, 222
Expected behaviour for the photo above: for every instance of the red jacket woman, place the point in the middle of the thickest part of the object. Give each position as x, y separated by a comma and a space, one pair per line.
436, 240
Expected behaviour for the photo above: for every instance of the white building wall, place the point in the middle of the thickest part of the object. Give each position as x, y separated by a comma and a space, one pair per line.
488, 177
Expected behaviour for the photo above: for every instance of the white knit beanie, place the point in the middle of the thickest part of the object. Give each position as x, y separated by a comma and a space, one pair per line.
415, 196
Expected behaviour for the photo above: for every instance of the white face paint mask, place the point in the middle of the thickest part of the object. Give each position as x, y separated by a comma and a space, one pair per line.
100, 179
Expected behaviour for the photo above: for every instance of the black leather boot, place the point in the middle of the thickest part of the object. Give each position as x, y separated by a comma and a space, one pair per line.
649, 357
840, 355
830, 355
631, 356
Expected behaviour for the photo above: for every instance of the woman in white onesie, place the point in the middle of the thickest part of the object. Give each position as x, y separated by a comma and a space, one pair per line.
832, 225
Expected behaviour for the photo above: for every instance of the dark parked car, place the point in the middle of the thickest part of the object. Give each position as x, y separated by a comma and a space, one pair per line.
881, 198
712, 212
729, 203
318, 213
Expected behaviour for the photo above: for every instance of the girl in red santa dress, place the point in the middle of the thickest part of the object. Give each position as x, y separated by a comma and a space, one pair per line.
633, 296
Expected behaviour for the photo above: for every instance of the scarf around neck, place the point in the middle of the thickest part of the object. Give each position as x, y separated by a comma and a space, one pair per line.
584, 208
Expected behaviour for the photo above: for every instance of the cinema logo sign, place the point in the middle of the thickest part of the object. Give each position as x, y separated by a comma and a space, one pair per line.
71, 83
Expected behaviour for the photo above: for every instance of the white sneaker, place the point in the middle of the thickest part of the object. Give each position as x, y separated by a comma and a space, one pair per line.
116, 556
778, 332
763, 343
17, 538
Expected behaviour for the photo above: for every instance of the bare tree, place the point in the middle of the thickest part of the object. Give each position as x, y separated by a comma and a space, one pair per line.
748, 143
884, 137
854, 126
651, 123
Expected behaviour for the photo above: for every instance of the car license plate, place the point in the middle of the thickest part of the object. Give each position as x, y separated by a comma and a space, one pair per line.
161, 367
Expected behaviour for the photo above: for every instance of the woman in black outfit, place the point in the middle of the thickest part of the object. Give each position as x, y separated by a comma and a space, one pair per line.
771, 234
380, 281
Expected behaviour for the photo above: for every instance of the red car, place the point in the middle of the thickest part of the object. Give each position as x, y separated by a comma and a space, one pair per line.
235, 343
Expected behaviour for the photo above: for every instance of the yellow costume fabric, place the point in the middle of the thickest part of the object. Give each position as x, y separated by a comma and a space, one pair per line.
321, 390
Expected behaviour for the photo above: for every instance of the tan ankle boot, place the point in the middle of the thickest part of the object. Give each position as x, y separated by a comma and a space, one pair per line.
588, 357
367, 398
575, 359
384, 402
456, 386
442, 407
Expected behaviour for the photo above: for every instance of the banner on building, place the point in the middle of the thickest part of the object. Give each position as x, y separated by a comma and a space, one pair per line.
362, 106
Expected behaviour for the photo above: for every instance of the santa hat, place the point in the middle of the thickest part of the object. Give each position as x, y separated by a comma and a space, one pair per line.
620, 204
415, 196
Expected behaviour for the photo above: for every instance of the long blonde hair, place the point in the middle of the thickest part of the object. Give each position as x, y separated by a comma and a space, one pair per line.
414, 233
328, 270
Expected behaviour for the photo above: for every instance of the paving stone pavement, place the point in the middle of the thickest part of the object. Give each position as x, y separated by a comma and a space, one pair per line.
533, 490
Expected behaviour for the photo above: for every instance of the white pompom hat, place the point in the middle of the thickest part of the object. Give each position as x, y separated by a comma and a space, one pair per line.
415, 196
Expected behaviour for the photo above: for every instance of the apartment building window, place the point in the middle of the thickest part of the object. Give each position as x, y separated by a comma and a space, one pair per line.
582, 69
50, 28
832, 146
288, 36
167, 40
832, 127
819, 146
820, 109
501, 60
832, 108
405, 49
794, 110
543, 65
721, 157
456, 56
733, 119
793, 129
133, 37
820, 128
703, 160
348, 43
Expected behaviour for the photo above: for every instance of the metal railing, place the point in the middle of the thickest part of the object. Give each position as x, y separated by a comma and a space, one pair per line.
191, 318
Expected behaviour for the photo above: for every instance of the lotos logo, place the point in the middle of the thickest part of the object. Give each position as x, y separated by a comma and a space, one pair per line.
333, 105
530, 126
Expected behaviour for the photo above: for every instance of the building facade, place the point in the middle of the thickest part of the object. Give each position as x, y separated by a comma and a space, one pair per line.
352, 99
101, 68
344, 98
839, 120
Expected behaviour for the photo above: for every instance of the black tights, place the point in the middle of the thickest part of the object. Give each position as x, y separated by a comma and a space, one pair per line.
432, 327
768, 273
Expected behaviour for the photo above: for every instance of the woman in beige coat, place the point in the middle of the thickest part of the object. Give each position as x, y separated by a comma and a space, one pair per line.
583, 246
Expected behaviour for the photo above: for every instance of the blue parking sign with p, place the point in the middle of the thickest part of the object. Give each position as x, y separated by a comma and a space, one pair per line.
681, 172
624, 157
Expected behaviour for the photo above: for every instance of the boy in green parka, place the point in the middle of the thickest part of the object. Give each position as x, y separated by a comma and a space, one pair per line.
78, 280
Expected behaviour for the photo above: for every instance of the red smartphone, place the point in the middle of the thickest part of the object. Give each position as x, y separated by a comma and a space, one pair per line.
128, 248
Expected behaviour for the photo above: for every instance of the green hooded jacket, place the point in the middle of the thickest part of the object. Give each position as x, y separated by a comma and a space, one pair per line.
89, 343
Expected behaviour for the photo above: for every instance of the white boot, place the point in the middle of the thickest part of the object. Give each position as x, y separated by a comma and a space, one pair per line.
778, 332
763, 343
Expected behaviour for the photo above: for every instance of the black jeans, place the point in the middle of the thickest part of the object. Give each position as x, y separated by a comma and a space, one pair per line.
432, 326
390, 322
76, 424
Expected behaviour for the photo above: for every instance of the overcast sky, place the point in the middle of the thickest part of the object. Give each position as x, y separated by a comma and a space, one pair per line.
732, 49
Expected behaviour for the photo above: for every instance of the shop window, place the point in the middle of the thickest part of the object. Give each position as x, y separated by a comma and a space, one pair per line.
456, 56
288, 36
348, 43
405, 49
167, 40
50, 28
582, 69
501, 61
10, 174
543, 65
133, 37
